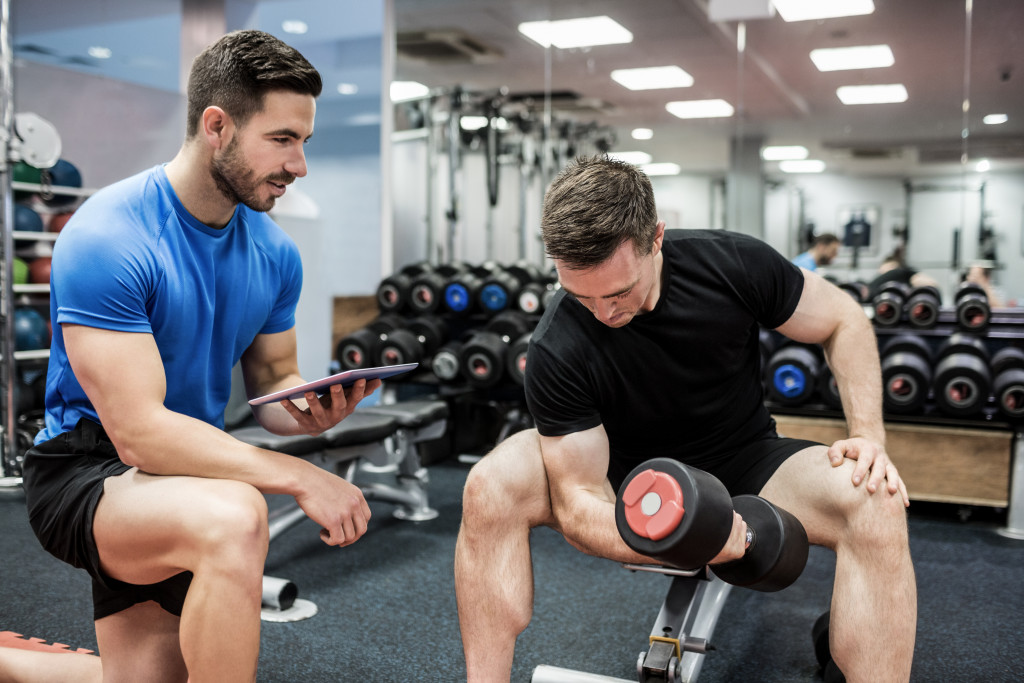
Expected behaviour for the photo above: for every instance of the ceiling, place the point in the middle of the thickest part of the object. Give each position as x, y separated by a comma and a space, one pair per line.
778, 94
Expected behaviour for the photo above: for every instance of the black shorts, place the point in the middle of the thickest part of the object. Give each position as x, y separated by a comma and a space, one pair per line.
63, 480
745, 470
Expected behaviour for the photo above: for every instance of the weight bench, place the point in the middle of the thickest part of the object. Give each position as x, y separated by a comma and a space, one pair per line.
384, 437
679, 639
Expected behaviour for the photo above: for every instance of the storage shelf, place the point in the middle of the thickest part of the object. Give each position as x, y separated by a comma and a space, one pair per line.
33, 354
31, 235
52, 189
31, 289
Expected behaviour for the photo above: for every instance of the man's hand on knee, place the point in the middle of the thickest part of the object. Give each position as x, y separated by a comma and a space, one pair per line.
872, 462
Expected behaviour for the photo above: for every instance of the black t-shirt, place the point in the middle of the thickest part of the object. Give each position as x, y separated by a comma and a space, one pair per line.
682, 381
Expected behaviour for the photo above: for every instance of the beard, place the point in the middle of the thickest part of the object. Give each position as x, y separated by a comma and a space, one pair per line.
238, 183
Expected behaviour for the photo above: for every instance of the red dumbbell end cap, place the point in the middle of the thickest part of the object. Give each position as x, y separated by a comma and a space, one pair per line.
663, 494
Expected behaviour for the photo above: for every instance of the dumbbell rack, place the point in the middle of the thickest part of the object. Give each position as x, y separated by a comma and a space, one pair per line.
985, 451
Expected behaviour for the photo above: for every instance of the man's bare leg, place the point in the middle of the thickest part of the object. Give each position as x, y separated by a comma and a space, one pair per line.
506, 495
150, 528
874, 601
33, 666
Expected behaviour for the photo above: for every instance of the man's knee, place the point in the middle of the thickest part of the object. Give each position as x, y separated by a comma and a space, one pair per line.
234, 522
508, 481
876, 519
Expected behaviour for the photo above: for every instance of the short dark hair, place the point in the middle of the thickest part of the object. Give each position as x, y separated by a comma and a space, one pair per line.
594, 205
825, 238
235, 73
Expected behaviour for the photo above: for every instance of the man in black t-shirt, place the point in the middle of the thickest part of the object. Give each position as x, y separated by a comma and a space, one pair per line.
651, 350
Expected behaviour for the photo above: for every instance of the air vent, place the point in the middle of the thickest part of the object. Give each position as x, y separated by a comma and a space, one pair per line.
444, 46
563, 100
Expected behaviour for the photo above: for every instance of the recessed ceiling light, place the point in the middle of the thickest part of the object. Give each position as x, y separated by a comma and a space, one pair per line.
653, 78
407, 90
983, 166
784, 152
859, 57
347, 88
662, 168
802, 166
872, 94
296, 26
801, 10
98, 52
642, 134
996, 119
584, 32
635, 158
700, 109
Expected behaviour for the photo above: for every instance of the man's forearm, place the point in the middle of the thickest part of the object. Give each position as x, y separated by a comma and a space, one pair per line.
852, 354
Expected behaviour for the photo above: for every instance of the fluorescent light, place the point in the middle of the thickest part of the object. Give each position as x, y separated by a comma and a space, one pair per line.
296, 26
801, 10
584, 32
635, 158
653, 78
983, 166
996, 119
347, 88
662, 168
859, 57
872, 94
642, 134
700, 109
407, 90
784, 152
98, 52
478, 122
802, 166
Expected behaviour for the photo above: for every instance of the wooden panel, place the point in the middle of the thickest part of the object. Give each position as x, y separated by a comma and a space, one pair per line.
351, 313
940, 464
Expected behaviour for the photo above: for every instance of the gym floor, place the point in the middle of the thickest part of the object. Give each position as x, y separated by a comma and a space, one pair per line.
387, 605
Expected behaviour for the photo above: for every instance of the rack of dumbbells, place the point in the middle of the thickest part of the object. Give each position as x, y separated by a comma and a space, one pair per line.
468, 327
959, 363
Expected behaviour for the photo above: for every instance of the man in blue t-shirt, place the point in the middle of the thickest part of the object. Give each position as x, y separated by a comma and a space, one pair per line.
161, 284
823, 251
651, 350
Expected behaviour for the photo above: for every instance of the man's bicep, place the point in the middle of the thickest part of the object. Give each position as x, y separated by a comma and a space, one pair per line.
270, 363
576, 461
820, 310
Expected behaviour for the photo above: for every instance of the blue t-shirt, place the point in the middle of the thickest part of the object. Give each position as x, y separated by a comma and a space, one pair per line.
132, 259
806, 260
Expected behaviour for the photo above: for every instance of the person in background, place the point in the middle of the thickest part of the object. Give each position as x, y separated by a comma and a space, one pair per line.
980, 273
161, 283
823, 251
894, 268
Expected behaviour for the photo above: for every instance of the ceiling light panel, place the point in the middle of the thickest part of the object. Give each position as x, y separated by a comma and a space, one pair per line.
872, 94
584, 32
635, 158
995, 119
662, 168
700, 109
802, 166
784, 152
653, 78
859, 57
803, 10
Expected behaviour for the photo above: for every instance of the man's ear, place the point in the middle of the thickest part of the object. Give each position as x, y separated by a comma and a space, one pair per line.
217, 127
659, 237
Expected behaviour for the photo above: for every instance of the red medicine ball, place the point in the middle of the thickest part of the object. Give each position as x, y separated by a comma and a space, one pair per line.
39, 271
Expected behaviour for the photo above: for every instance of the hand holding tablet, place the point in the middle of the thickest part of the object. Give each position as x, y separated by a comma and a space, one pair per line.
345, 379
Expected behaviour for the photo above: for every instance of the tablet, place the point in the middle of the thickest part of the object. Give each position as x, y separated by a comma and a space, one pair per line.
345, 379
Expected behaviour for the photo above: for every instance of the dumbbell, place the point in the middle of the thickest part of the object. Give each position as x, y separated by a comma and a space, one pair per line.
393, 291
792, 372
683, 517
922, 306
828, 389
535, 295
427, 290
889, 302
823, 653
482, 359
357, 350
972, 310
445, 362
501, 289
411, 343
906, 373
856, 289
1008, 382
462, 293
515, 360
962, 379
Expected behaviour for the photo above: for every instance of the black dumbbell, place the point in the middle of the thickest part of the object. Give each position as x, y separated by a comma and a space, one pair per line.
515, 360
792, 372
427, 290
962, 380
906, 373
393, 291
1008, 382
973, 312
482, 359
462, 293
856, 289
535, 295
412, 343
501, 289
828, 389
822, 652
922, 306
683, 517
445, 362
357, 350
888, 304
